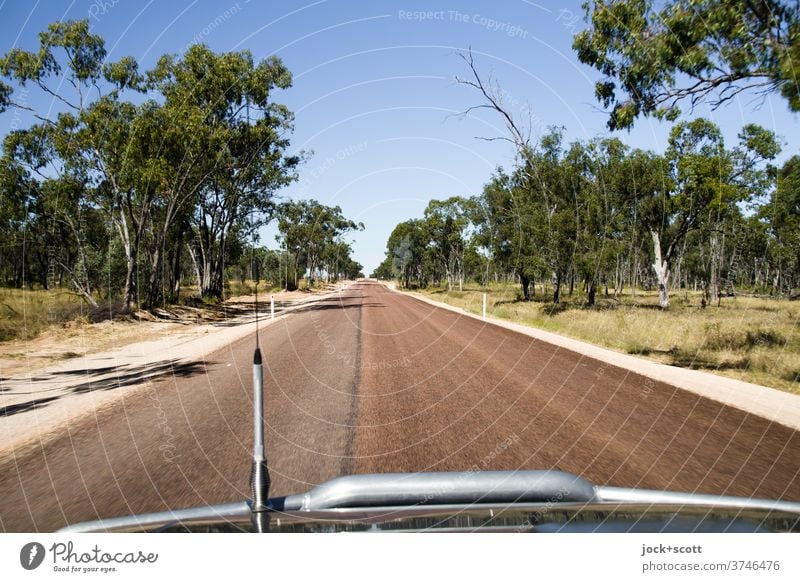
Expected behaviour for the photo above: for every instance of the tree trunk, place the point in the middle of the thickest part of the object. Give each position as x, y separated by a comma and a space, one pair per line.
557, 289
524, 281
131, 249
196, 267
713, 280
661, 268
84, 293
129, 289
591, 291
154, 294
175, 276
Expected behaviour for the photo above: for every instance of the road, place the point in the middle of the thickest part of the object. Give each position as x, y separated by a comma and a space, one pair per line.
377, 381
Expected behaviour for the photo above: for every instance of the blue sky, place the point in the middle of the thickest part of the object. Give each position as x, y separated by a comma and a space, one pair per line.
374, 92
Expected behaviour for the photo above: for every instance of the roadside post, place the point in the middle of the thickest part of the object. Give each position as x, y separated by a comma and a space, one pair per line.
484, 307
272, 307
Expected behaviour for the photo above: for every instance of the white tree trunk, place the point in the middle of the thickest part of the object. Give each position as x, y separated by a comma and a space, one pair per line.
661, 268
713, 283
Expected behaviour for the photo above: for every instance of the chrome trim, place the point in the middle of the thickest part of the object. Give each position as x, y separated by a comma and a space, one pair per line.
162, 519
524, 517
655, 497
397, 496
390, 489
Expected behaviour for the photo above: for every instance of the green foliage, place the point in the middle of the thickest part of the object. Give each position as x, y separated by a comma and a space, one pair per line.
313, 233
653, 56
780, 217
600, 214
179, 162
384, 271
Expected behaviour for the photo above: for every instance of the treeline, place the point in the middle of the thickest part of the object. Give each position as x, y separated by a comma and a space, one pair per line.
600, 215
312, 235
312, 246
144, 180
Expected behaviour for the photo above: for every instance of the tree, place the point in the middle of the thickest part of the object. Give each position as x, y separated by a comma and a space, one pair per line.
540, 195
554, 178
88, 139
16, 186
199, 160
227, 139
406, 250
446, 224
748, 178
690, 187
597, 170
596, 211
782, 217
652, 59
338, 263
510, 229
384, 270
307, 229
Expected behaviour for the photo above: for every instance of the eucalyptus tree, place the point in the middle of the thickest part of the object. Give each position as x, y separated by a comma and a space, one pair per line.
510, 228
16, 187
385, 270
447, 227
225, 141
551, 179
81, 248
750, 177
508, 214
308, 229
47, 231
781, 217
337, 261
541, 199
90, 135
692, 187
201, 153
656, 55
406, 251
351, 269
602, 233
647, 184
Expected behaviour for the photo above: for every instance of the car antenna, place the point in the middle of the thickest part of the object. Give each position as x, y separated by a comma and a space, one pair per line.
259, 476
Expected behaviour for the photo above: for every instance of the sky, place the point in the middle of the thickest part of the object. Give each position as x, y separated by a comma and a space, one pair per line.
376, 102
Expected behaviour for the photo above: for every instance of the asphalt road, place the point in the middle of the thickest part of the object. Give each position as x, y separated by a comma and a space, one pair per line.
375, 381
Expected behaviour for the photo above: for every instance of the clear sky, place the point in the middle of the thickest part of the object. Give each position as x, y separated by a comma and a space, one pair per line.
374, 92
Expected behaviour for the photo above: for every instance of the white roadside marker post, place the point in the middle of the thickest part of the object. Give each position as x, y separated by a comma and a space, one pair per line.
484, 307
272, 307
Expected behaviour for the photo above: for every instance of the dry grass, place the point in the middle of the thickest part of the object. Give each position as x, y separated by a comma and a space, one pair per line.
25, 314
748, 338
39, 328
